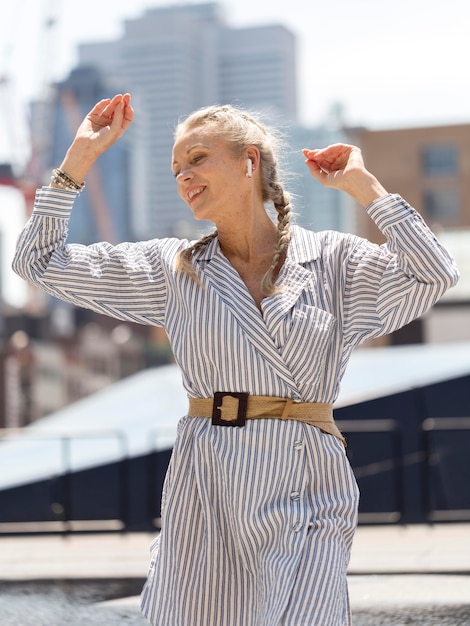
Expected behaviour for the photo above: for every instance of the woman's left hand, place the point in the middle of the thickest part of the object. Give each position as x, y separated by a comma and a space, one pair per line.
341, 166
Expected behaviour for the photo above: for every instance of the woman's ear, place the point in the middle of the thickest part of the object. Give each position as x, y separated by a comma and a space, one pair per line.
252, 160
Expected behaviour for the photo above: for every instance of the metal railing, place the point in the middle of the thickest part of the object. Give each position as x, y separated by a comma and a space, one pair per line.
390, 428
431, 465
62, 506
155, 464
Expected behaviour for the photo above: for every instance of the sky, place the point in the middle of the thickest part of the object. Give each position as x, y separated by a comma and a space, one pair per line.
403, 62
393, 64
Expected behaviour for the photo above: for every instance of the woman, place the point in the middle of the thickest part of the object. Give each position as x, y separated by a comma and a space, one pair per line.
260, 504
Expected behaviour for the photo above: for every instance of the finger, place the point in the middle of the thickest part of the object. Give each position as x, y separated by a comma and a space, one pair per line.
328, 160
112, 106
316, 163
128, 109
118, 115
310, 154
128, 114
322, 164
123, 116
100, 106
315, 169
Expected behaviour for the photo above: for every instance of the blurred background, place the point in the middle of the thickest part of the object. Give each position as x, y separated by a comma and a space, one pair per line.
391, 78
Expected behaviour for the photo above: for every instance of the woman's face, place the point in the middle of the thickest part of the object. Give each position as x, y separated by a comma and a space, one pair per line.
211, 179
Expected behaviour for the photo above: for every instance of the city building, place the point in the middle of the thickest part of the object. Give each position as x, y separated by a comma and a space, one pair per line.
430, 168
173, 60
176, 59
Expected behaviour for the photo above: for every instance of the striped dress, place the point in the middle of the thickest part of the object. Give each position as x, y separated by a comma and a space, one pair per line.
257, 522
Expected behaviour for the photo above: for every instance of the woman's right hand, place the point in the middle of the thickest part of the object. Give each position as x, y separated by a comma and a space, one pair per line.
107, 121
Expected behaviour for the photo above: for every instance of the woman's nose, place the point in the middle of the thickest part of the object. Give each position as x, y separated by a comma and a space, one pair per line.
184, 175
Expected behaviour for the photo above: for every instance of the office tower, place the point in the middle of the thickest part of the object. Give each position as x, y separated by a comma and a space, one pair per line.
176, 59
258, 71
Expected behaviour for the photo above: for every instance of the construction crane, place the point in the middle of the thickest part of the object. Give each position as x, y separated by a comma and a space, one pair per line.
32, 175
8, 121
19, 154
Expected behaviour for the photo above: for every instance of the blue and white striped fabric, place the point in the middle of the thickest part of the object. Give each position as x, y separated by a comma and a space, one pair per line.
258, 521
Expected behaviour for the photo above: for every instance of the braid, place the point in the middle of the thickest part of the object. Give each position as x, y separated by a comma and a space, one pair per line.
184, 258
282, 204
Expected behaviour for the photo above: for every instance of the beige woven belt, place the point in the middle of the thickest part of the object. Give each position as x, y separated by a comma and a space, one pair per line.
232, 409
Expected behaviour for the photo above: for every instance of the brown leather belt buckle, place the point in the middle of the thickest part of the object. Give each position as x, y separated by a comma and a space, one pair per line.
226, 405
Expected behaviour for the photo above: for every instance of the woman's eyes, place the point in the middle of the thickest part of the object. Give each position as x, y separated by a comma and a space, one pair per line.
193, 161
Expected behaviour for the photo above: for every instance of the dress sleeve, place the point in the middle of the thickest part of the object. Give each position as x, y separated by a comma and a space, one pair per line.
388, 286
127, 281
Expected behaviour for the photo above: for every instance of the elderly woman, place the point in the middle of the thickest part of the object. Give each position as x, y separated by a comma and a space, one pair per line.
260, 503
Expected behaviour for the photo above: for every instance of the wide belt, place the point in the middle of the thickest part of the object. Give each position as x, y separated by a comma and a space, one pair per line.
233, 409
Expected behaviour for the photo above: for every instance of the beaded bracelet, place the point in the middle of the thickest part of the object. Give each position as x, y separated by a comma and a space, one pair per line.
64, 181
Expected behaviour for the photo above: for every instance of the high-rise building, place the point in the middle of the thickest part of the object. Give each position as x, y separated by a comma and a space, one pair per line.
257, 69
176, 59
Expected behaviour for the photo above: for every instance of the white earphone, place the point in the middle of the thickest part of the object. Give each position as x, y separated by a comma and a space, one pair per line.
249, 168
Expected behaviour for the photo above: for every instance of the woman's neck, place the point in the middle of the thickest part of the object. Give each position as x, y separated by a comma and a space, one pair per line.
248, 240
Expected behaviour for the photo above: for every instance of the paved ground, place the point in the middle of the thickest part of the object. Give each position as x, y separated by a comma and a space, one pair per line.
398, 575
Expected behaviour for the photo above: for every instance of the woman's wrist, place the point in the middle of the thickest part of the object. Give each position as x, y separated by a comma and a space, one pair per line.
365, 189
62, 180
78, 161
71, 173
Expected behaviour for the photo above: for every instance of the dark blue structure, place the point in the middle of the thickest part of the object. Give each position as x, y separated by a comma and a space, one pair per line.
409, 448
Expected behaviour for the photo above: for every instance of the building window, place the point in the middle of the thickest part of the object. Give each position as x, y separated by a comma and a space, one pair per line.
442, 204
440, 160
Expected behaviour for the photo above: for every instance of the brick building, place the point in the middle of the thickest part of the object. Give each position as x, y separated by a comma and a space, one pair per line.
430, 168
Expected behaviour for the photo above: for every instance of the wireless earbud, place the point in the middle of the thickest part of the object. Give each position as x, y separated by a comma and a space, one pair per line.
249, 168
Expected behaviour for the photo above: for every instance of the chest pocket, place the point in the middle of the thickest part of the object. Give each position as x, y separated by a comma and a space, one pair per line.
306, 346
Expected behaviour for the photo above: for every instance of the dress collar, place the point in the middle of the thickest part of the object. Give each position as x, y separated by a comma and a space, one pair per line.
304, 247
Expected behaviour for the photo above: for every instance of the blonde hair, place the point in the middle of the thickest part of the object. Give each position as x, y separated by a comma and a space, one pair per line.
242, 129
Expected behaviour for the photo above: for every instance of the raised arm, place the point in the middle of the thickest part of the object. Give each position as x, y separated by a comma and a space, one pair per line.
107, 121
341, 166
126, 281
387, 286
